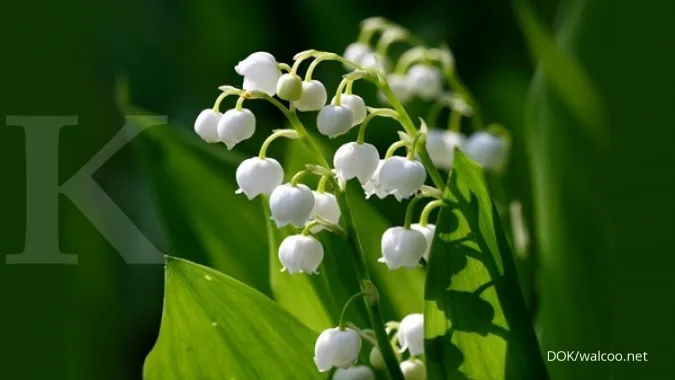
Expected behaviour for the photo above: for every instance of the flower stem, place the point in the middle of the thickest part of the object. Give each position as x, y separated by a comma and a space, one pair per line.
351, 299
240, 103
454, 123
311, 68
393, 147
424, 217
385, 112
296, 178
340, 89
410, 209
288, 133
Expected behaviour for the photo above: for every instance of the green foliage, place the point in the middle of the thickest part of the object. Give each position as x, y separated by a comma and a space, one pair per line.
214, 327
476, 322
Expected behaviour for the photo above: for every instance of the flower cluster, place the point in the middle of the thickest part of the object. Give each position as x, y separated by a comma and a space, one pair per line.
420, 72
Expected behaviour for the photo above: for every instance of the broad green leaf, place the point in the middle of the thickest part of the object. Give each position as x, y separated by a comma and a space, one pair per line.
565, 73
476, 322
194, 186
214, 327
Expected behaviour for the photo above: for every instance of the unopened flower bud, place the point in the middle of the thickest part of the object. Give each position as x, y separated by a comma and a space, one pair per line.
257, 175
488, 150
441, 146
291, 204
300, 254
376, 359
413, 369
425, 80
402, 247
289, 87
411, 334
402, 177
326, 207
236, 126
206, 125
260, 71
334, 121
428, 232
354, 160
337, 348
313, 96
357, 372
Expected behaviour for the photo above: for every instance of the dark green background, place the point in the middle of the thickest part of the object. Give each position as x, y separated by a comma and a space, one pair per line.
97, 320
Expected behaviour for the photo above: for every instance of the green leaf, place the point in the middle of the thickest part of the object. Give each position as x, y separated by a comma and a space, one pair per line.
193, 184
214, 327
565, 73
476, 322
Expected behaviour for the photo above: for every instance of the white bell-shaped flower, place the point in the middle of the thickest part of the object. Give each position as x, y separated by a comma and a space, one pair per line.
411, 334
206, 125
236, 126
291, 204
402, 177
441, 146
355, 53
326, 207
375, 61
376, 359
334, 121
355, 104
399, 86
425, 80
257, 176
354, 160
413, 369
373, 186
402, 247
428, 232
487, 149
260, 71
289, 87
300, 254
357, 372
313, 96
337, 348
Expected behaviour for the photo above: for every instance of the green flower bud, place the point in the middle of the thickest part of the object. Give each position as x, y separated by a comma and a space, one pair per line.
289, 87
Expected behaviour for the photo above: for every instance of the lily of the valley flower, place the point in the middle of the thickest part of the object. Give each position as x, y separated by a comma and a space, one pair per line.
257, 176
376, 359
300, 254
355, 53
399, 86
334, 121
441, 146
260, 71
373, 186
355, 104
337, 348
357, 372
428, 232
289, 87
206, 125
487, 149
413, 369
402, 247
402, 177
425, 80
354, 160
313, 96
291, 204
236, 125
411, 334
326, 207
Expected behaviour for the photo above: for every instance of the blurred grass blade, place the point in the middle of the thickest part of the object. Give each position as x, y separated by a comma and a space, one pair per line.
565, 73
214, 327
476, 322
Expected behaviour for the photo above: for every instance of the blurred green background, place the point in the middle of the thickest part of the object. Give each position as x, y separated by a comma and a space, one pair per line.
99, 319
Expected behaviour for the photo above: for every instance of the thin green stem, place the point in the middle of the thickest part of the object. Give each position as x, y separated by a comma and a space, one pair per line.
288, 133
284, 66
410, 210
308, 227
340, 89
321, 188
351, 299
296, 178
393, 147
419, 137
385, 112
240, 103
455, 121
311, 68
424, 217
348, 89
